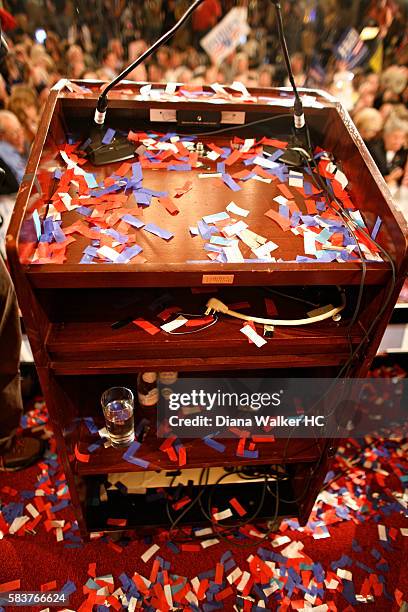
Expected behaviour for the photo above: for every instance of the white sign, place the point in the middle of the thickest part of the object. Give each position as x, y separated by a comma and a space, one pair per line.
227, 35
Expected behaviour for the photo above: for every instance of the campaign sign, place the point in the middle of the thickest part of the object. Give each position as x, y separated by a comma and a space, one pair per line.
227, 35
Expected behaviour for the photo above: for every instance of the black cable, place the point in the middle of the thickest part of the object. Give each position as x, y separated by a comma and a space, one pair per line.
222, 531
294, 500
210, 498
174, 522
322, 184
291, 297
225, 529
347, 366
238, 127
277, 476
344, 215
349, 221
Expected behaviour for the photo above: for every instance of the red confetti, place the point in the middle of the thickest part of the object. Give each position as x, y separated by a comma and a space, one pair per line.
237, 506
117, 522
82, 457
167, 312
233, 158
224, 594
199, 322
219, 572
191, 547
270, 307
92, 570
167, 443
311, 207
169, 205
282, 221
285, 191
123, 169
182, 456
147, 326
115, 547
13, 585
48, 586
279, 144
181, 503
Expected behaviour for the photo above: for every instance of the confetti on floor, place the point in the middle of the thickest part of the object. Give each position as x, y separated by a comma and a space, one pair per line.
349, 556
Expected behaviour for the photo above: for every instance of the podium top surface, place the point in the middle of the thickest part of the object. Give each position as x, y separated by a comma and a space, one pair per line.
154, 214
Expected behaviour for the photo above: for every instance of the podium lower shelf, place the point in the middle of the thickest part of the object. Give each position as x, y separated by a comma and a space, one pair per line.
74, 347
147, 512
199, 455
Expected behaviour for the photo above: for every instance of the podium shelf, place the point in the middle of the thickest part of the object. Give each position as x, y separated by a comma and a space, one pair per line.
93, 346
167, 275
199, 455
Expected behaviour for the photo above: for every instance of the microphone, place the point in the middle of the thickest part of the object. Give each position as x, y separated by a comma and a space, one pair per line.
300, 147
102, 105
120, 148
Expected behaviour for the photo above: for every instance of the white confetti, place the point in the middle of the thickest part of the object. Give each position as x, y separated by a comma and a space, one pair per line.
253, 335
382, 533
220, 516
234, 209
235, 228
33, 511
234, 575
207, 543
108, 253
203, 532
233, 254
280, 541
292, 551
172, 325
148, 554
167, 594
18, 522
344, 574
244, 581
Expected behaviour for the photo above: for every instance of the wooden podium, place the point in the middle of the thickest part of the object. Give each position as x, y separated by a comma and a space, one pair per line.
69, 307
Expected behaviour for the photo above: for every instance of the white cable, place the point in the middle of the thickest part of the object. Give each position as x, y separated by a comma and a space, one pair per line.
214, 305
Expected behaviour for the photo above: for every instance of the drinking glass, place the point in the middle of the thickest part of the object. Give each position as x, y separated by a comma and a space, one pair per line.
117, 404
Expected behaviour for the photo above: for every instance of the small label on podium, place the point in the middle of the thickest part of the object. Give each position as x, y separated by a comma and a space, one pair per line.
218, 279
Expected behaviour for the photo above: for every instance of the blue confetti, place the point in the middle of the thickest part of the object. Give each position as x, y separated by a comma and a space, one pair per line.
229, 181
109, 136
209, 441
134, 221
158, 231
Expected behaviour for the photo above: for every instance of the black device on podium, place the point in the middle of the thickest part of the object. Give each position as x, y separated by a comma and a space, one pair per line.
120, 149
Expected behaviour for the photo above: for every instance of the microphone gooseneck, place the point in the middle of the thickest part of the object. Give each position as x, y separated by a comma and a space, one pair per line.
299, 115
102, 104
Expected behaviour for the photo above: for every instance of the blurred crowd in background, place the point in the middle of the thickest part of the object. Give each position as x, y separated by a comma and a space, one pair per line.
95, 39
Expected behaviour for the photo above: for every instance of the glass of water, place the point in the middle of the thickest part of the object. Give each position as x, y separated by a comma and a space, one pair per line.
117, 404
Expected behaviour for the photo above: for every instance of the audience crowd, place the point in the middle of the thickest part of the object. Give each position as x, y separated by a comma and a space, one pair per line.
95, 39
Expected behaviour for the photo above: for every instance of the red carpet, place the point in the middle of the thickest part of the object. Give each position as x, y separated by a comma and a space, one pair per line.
378, 568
